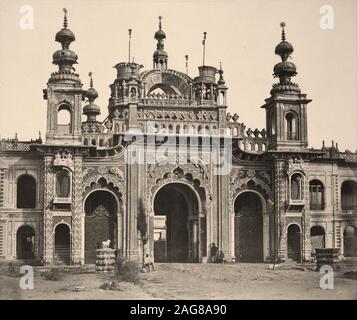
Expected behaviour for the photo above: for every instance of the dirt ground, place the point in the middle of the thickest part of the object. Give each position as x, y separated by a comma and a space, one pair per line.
189, 281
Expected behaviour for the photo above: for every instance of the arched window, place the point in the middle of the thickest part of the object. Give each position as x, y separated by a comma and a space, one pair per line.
26, 192
349, 195
178, 129
291, 126
94, 142
133, 92
64, 119
101, 143
85, 142
296, 190
63, 184
316, 195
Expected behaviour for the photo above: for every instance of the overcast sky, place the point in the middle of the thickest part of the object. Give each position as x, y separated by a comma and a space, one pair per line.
241, 34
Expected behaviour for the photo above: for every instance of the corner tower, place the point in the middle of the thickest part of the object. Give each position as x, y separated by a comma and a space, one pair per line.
286, 112
64, 93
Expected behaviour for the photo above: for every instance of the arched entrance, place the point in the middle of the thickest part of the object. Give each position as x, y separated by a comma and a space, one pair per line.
248, 226
294, 250
317, 238
176, 224
350, 242
101, 209
25, 243
62, 244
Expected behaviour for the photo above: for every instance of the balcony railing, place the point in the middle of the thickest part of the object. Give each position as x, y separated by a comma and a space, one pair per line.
317, 206
349, 207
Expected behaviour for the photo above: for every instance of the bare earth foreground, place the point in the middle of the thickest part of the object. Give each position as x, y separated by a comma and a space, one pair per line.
189, 281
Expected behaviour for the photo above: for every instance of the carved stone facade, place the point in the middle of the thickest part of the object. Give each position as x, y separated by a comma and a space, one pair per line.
161, 139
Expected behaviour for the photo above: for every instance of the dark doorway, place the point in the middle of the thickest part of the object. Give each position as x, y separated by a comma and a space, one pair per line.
248, 228
25, 243
176, 225
294, 252
26, 192
62, 244
350, 242
317, 238
100, 223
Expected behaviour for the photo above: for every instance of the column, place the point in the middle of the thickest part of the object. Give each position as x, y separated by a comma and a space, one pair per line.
47, 205
280, 187
132, 250
77, 212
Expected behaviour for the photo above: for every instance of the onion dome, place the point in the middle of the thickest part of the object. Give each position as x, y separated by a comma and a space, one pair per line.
284, 48
285, 67
91, 110
160, 34
65, 57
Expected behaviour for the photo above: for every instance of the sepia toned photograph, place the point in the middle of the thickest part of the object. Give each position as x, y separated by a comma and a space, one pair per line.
201, 150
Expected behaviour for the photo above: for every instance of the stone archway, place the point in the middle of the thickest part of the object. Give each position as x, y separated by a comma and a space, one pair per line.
176, 224
25, 243
317, 238
350, 241
248, 227
294, 242
101, 210
62, 244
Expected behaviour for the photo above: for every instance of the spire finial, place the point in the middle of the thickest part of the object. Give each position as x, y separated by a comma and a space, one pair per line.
65, 21
129, 30
220, 65
160, 18
90, 74
186, 57
282, 25
204, 46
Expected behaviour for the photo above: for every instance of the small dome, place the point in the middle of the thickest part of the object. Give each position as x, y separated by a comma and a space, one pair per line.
284, 47
65, 55
65, 36
160, 53
160, 35
91, 108
285, 68
91, 94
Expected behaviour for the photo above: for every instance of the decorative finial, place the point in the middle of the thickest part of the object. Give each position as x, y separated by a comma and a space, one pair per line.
65, 21
186, 57
220, 71
160, 18
204, 46
39, 135
16, 136
129, 30
90, 74
282, 25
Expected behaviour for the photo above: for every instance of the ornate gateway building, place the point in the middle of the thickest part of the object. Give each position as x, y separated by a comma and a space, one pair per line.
169, 171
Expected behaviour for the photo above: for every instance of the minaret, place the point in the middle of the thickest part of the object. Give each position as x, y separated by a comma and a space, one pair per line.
160, 55
64, 93
286, 115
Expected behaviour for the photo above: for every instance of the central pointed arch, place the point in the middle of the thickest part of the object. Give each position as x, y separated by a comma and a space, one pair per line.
177, 229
